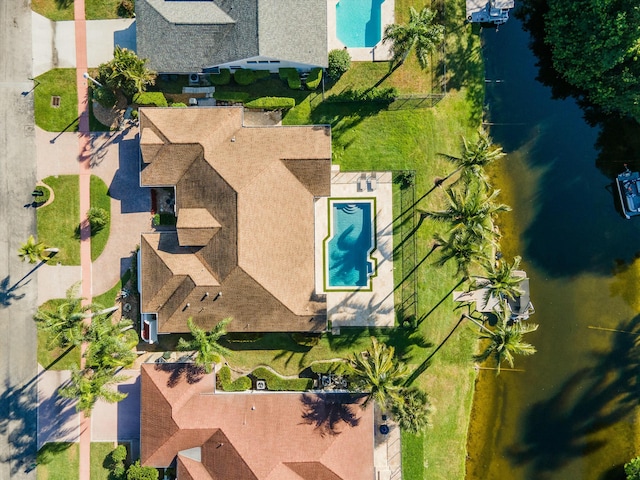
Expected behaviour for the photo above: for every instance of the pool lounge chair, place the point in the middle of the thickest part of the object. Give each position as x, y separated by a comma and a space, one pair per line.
372, 182
362, 181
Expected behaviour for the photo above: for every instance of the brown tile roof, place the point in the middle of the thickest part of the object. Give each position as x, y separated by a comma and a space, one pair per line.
246, 435
246, 194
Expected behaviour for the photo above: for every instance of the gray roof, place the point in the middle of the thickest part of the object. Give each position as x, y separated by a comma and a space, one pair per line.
188, 36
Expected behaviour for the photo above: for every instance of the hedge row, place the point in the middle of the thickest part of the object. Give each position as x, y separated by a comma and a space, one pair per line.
245, 77
223, 379
277, 383
291, 76
272, 103
314, 78
222, 78
386, 95
156, 99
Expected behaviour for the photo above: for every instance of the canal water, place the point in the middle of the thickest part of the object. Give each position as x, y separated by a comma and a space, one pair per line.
569, 411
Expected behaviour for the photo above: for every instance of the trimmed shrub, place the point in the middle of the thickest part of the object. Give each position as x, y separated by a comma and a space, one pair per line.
134, 114
234, 97
164, 219
222, 78
155, 99
314, 78
272, 103
223, 381
291, 76
277, 383
98, 219
383, 95
127, 9
339, 62
104, 96
244, 77
337, 368
138, 472
284, 73
46, 193
178, 105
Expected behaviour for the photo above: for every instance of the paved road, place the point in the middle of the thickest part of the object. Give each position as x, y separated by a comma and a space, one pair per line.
17, 300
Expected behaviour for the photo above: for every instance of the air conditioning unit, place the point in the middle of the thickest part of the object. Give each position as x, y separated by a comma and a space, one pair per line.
194, 79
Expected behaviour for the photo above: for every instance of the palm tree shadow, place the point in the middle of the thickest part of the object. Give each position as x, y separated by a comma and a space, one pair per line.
7, 292
190, 372
331, 413
561, 428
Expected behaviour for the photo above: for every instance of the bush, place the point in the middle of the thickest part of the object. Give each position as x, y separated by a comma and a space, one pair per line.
277, 383
127, 9
632, 469
179, 105
104, 97
163, 219
314, 78
406, 178
244, 77
155, 99
234, 97
98, 219
222, 78
138, 472
119, 454
383, 95
46, 193
223, 381
291, 76
272, 103
339, 63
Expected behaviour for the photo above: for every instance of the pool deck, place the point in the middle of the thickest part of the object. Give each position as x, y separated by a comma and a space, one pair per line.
380, 52
360, 308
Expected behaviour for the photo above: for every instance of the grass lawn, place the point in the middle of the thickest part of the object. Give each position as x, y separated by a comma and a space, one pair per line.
101, 9
54, 9
59, 82
412, 449
99, 457
55, 358
58, 461
57, 222
100, 199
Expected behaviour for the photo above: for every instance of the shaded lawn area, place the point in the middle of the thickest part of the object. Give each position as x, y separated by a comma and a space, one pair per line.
58, 221
100, 199
59, 82
58, 461
100, 9
55, 358
100, 459
54, 9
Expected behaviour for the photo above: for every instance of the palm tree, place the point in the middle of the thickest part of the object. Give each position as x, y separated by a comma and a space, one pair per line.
379, 373
470, 210
206, 346
500, 280
88, 386
463, 249
413, 410
126, 72
32, 251
421, 34
108, 346
65, 323
475, 156
505, 340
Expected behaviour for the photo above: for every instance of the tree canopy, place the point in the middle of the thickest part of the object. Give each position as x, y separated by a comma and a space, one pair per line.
595, 47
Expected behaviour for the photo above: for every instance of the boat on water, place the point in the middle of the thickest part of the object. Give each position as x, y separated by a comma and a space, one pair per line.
628, 183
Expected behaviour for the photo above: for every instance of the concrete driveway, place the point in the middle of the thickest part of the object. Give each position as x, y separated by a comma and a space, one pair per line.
58, 420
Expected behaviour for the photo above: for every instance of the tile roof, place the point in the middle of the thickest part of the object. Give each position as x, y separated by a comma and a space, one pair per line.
188, 36
246, 435
247, 195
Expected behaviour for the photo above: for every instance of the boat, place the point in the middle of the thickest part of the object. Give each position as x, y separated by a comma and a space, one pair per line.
628, 183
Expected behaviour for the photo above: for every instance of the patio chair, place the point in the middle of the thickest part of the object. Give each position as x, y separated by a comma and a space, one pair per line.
372, 181
362, 181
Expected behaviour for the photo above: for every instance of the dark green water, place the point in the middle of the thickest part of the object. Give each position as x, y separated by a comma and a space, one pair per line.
571, 412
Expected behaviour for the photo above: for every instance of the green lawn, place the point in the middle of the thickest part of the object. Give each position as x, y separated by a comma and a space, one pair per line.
59, 82
57, 222
54, 9
412, 449
99, 458
100, 199
55, 358
58, 461
101, 9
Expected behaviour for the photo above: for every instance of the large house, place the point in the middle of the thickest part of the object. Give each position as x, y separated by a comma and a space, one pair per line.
243, 246
251, 436
187, 36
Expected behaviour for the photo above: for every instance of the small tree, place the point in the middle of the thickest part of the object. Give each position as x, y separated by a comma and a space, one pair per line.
88, 386
126, 72
32, 251
339, 63
632, 469
98, 219
138, 472
206, 346
412, 411
117, 458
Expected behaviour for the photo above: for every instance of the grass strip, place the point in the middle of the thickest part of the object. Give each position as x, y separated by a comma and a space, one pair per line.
59, 82
100, 198
58, 461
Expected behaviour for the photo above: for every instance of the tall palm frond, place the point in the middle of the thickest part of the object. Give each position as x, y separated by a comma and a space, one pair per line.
32, 250
205, 344
88, 386
500, 280
461, 248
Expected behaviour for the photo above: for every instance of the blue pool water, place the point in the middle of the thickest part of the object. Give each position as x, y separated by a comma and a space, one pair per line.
359, 22
350, 245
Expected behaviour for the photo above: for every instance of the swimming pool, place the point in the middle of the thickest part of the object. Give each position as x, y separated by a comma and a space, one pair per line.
359, 22
348, 248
